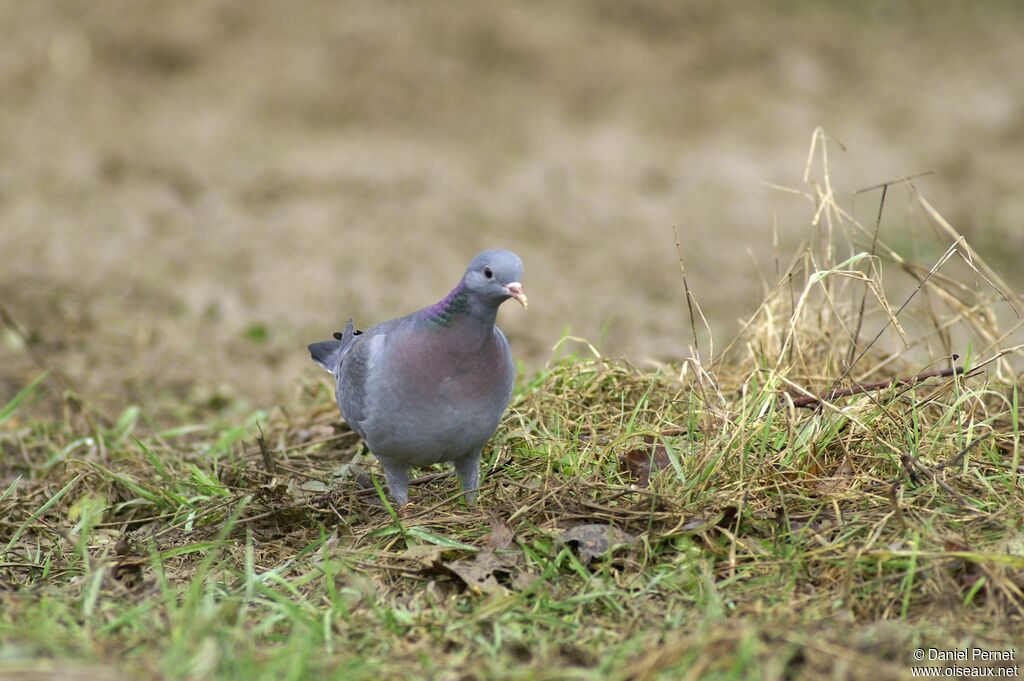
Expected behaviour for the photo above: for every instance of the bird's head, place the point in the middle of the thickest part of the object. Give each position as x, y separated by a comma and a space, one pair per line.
495, 276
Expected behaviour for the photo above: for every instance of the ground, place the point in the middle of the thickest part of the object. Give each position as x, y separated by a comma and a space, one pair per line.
191, 192
252, 175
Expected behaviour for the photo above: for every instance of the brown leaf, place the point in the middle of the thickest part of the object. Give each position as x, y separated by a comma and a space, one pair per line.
643, 462
524, 580
594, 540
480, 575
501, 535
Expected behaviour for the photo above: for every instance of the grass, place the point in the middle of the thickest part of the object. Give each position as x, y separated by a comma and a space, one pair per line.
771, 541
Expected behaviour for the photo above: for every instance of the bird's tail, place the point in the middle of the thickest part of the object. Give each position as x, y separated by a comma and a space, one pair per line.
329, 354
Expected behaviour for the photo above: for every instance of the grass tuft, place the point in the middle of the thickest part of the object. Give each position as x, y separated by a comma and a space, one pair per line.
837, 487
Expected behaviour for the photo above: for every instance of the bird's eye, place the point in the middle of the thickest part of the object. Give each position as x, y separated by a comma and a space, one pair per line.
488, 273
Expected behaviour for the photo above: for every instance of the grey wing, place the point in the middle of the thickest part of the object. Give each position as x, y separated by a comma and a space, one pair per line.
510, 372
357, 380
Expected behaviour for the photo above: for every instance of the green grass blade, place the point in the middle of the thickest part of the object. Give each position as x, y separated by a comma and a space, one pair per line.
23, 394
40, 511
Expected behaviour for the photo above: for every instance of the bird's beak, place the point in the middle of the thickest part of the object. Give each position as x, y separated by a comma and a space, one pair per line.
515, 289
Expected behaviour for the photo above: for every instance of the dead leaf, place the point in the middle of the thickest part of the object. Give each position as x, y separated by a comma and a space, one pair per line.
314, 486
594, 540
480, 575
525, 579
646, 461
349, 470
500, 536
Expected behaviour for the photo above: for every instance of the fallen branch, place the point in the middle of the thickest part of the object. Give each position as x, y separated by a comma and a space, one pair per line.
809, 400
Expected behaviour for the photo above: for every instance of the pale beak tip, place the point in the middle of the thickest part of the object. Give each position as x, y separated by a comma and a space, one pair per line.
515, 289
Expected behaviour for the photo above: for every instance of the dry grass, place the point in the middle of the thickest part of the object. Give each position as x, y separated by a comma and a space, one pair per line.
772, 540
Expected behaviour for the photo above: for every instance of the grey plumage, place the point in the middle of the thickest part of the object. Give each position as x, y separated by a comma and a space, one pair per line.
433, 385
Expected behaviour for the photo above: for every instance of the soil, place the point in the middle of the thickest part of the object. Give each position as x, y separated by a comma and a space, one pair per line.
192, 191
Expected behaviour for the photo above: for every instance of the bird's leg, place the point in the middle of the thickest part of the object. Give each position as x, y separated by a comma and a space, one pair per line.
398, 480
468, 470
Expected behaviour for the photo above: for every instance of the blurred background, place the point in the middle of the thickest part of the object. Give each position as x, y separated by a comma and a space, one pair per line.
192, 191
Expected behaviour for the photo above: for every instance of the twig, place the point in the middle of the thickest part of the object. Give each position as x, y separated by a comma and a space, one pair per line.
268, 458
958, 457
894, 501
892, 317
258, 516
809, 400
885, 185
864, 295
916, 471
22, 565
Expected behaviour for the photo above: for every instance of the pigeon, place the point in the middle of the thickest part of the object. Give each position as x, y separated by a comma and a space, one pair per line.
433, 385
